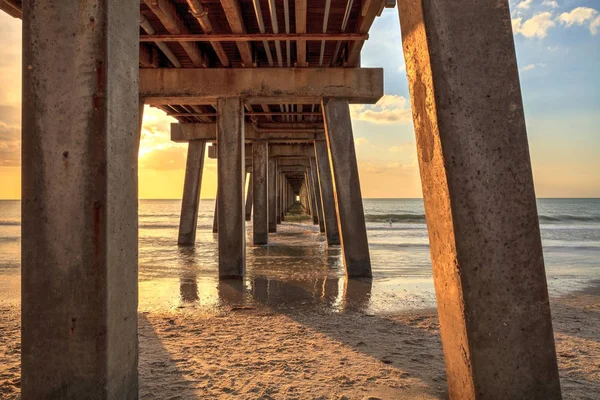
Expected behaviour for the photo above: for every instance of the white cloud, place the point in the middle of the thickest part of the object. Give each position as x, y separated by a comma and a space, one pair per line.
389, 109
550, 3
595, 26
577, 16
536, 26
532, 66
525, 4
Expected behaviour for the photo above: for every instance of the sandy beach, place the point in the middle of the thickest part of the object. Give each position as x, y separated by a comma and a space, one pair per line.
259, 352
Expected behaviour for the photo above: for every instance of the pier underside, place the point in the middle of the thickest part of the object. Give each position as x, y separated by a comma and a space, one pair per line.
269, 84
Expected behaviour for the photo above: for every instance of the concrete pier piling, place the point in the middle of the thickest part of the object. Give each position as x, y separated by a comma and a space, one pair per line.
231, 172
260, 192
479, 200
79, 200
249, 197
191, 193
346, 188
272, 193
317, 191
327, 198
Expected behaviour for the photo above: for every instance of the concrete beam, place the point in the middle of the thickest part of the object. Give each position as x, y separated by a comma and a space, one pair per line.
183, 133
488, 265
79, 200
276, 151
261, 85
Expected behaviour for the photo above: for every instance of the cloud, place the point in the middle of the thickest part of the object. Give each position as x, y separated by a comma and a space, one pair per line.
525, 4
532, 66
389, 109
10, 145
361, 141
157, 152
536, 26
595, 26
169, 157
550, 3
577, 16
405, 147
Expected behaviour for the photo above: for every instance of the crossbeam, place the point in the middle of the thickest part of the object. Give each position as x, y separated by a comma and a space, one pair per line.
163, 86
303, 150
208, 132
229, 37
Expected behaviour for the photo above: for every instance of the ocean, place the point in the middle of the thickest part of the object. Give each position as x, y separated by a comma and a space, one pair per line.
298, 270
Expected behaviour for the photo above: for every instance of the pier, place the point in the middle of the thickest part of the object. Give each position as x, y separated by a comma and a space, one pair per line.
265, 87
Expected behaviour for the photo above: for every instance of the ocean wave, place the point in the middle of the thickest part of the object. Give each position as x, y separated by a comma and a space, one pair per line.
405, 218
569, 218
420, 218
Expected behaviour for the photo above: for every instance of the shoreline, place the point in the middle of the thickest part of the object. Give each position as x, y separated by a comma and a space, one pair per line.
260, 352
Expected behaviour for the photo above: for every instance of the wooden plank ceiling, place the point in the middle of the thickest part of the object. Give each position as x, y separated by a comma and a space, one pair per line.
293, 33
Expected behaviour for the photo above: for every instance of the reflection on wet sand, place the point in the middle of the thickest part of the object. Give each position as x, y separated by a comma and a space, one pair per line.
318, 294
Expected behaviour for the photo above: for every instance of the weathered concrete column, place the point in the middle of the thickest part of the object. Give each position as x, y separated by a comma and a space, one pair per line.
216, 214
317, 191
313, 195
278, 196
249, 197
260, 176
231, 169
346, 188
79, 200
191, 192
479, 200
282, 197
272, 204
326, 192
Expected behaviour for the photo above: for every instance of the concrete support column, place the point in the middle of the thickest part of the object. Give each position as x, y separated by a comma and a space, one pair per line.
272, 204
231, 171
260, 176
313, 195
326, 192
216, 214
317, 191
282, 197
249, 197
79, 200
346, 187
278, 196
479, 197
191, 192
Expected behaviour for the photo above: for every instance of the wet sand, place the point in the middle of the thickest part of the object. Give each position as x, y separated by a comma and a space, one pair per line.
261, 352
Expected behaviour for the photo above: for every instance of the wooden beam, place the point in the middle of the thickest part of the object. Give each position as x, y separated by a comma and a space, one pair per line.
148, 56
233, 13
250, 114
301, 9
368, 14
172, 21
260, 85
11, 8
254, 37
182, 133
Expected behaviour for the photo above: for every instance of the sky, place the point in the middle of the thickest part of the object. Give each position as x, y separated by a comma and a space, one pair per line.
558, 52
